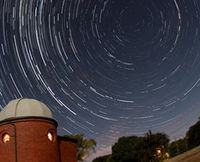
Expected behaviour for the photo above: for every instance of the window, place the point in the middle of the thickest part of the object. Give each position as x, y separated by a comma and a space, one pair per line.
6, 138
50, 136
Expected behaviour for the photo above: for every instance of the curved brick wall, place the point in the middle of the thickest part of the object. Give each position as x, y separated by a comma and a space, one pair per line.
31, 144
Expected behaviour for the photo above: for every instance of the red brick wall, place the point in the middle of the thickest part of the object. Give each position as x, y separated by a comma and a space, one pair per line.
7, 151
33, 144
68, 151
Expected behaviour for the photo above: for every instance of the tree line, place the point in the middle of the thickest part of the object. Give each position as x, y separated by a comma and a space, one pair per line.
151, 147
148, 148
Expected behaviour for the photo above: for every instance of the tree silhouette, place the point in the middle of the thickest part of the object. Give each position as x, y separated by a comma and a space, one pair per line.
193, 135
151, 147
178, 147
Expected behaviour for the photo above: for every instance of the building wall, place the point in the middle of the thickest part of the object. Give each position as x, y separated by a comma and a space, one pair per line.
68, 150
32, 143
7, 151
29, 142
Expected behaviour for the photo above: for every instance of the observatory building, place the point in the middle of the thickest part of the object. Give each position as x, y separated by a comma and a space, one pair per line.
28, 133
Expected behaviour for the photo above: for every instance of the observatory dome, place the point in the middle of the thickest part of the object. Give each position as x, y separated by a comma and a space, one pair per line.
25, 107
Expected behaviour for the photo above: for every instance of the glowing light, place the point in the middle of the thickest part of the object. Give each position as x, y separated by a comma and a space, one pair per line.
6, 138
50, 136
158, 151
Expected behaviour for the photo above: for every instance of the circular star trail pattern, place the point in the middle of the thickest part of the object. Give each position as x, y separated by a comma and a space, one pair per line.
106, 68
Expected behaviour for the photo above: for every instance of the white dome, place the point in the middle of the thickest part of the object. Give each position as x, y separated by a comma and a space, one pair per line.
25, 107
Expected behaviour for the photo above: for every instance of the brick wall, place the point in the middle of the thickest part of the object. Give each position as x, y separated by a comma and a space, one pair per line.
32, 143
29, 142
68, 150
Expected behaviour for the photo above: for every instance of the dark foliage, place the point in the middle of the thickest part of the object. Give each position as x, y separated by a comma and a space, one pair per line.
105, 158
193, 135
178, 147
140, 149
127, 149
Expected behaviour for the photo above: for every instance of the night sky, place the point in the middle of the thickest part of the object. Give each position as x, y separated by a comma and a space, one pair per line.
106, 68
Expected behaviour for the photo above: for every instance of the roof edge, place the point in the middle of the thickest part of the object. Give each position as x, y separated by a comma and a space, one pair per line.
28, 117
67, 139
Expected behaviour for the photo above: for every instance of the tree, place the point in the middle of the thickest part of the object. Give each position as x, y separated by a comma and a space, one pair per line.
150, 148
105, 158
178, 147
155, 146
127, 149
84, 145
193, 135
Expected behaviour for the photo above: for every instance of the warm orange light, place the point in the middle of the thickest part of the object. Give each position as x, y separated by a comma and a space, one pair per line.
159, 151
6, 138
167, 155
50, 136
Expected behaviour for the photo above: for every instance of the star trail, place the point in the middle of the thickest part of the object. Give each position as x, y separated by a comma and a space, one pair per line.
106, 68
